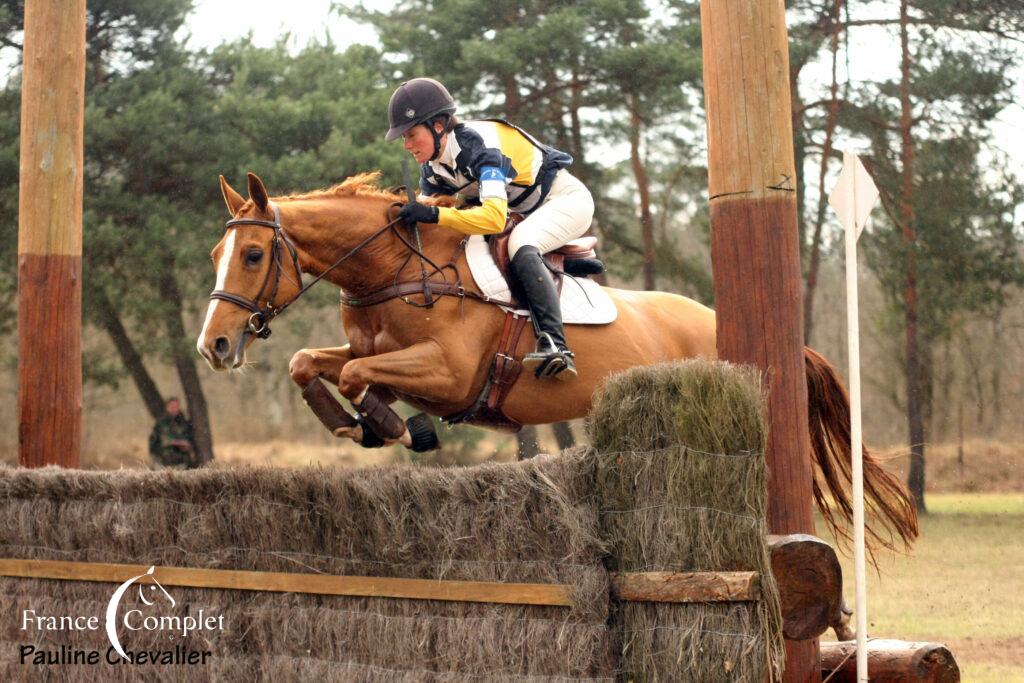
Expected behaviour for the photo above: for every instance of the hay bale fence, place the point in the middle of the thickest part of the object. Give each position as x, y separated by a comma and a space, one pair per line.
642, 557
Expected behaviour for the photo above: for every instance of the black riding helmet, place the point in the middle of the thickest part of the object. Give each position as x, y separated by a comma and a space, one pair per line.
420, 100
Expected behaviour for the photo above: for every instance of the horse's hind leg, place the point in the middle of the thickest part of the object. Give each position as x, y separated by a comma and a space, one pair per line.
420, 369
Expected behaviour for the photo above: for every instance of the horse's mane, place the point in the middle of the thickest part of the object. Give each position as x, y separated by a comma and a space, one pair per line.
360, 185
366, 185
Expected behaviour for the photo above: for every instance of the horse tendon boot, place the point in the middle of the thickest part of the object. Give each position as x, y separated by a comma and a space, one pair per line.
327, 408
380, 424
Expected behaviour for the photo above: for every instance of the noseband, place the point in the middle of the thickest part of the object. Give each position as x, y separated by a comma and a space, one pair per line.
259, 321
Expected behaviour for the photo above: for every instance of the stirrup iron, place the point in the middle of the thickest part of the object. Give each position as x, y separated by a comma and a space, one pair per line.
547, 360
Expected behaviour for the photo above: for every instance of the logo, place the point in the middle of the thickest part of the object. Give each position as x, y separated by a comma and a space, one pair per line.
115, 602
155, 610
491, 173
409, 113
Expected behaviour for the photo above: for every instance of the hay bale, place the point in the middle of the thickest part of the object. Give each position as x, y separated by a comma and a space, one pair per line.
676, 483
531, 522
682, 482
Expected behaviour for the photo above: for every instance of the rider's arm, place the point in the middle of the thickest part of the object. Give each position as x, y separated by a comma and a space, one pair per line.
490, 216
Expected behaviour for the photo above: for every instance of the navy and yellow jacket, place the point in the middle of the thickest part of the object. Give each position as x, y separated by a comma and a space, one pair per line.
495, 164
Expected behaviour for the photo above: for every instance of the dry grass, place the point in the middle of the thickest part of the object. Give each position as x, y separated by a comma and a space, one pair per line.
961, 586
987, 466
278, 452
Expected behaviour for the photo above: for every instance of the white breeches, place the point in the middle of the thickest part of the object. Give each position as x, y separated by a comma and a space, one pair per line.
565, 215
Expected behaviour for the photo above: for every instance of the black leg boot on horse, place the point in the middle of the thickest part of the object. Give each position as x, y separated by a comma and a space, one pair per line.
552, 357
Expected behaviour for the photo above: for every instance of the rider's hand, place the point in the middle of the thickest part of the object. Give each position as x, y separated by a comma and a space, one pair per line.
414, 212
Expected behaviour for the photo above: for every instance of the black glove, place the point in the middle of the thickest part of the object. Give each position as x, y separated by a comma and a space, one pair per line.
414, 212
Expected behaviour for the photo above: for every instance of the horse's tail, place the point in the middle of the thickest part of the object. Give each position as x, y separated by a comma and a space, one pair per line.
890, 514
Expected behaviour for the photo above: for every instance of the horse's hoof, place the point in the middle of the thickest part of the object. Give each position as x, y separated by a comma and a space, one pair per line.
424, 436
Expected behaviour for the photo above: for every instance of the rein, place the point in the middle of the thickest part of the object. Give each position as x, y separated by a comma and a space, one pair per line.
259, 321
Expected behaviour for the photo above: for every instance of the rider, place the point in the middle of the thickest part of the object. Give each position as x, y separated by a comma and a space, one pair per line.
497, 166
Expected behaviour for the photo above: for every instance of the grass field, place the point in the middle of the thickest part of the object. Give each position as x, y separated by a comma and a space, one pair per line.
962, 586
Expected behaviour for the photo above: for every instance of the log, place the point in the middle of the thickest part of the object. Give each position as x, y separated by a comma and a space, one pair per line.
890, 661
810, 583
686, 586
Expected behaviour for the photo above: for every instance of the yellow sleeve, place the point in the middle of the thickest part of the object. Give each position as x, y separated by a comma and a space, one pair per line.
486, 219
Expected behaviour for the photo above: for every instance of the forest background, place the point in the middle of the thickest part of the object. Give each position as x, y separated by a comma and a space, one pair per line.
927, 91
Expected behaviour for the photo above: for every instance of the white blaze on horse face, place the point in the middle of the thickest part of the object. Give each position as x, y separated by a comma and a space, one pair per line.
222, 278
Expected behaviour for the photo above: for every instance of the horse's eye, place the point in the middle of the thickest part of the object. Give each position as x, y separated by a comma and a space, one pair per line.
253, 256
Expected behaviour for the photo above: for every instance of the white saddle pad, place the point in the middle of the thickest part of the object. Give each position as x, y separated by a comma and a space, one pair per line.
583, 300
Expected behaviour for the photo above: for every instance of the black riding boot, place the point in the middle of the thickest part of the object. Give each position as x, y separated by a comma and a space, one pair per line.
552, 357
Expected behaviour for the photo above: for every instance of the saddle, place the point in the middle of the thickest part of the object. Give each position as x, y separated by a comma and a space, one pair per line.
577, 258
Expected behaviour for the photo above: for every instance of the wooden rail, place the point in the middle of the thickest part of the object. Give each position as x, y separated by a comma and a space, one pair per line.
679, 587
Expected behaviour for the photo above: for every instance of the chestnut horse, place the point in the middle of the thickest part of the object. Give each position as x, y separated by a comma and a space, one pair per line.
438, 358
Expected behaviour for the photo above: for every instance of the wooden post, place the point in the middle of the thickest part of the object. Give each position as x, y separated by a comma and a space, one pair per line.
50, 234
754, 245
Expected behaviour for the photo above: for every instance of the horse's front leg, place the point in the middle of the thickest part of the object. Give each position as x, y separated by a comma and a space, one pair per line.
309, 364
420, 370
307, 368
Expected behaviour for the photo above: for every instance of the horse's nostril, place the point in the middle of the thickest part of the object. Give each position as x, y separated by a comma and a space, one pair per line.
221, 346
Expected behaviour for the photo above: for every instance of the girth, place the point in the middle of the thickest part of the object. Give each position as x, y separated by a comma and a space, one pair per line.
487, 410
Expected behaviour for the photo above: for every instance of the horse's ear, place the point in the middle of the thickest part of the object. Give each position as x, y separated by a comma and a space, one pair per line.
232, 199
257, 192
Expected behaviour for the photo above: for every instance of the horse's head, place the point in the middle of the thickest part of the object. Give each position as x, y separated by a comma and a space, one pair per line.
257, 273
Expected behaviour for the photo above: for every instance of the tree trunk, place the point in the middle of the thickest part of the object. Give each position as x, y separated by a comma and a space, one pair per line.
943, 380
563, 435
997, 372
512, 100
108, 319
915, 417
644, 191
555, 113
527, 442
575, 103
579, 164
184, 363
814, 257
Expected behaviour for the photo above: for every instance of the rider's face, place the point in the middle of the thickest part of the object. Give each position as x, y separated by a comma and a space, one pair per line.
420, 143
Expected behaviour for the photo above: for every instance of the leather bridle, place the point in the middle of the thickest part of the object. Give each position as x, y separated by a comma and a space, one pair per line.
262, 314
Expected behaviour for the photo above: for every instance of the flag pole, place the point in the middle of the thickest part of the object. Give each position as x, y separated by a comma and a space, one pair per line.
853, 197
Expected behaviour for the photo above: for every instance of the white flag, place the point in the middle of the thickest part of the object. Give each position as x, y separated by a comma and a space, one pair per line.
854, 195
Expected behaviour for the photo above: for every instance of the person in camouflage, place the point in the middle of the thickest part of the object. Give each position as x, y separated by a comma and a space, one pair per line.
172, 443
